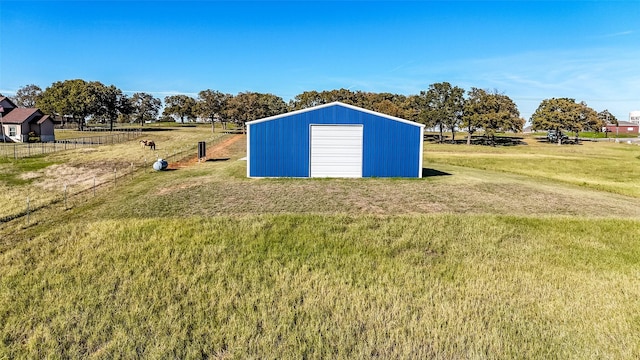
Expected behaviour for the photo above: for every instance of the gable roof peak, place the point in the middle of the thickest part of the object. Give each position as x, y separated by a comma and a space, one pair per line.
335, 103
6, 100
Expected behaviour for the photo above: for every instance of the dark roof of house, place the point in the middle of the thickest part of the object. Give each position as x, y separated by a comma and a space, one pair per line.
16, 115
20, 115
4, 98
44, 118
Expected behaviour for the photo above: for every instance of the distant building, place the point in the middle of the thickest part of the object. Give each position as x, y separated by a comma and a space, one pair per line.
17, 123
624, 127
634, 117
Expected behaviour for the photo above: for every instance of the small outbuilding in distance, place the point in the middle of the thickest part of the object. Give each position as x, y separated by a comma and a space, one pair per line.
334, 140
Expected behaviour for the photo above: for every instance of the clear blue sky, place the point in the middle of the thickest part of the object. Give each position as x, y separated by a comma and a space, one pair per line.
530, 50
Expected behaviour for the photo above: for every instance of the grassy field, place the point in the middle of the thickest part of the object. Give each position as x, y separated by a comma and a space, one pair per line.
597, 165
44, 178
514, 252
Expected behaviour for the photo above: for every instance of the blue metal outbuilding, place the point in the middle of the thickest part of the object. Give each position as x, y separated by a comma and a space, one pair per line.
334, 140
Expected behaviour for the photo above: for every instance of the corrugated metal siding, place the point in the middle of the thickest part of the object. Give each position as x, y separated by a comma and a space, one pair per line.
280, 147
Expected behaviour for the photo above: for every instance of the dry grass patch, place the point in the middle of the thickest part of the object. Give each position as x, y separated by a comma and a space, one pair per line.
80, 178
208, 190
313, 286
43, 178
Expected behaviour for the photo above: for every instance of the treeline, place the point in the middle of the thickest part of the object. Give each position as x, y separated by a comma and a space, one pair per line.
442, 106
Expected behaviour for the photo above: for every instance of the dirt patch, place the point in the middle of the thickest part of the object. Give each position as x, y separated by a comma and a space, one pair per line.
217, 151
107, 166
55, 177
30, 175
222, 150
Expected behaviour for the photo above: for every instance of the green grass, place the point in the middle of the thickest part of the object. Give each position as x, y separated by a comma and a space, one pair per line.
16, 184
325, 286
75, 134
12, 169
508, 254
601, 166
221, 188
44, 178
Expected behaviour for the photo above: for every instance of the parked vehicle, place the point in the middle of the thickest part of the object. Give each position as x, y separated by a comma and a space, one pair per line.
552, 136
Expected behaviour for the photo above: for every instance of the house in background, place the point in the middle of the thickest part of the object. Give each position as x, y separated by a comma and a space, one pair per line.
17, 123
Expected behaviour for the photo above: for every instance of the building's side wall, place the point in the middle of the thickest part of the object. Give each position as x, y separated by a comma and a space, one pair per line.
391, 149
45, 130
623, 129
13, 132
280, 147
23, 128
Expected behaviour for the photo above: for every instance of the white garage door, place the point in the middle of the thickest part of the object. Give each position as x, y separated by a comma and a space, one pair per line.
336, 150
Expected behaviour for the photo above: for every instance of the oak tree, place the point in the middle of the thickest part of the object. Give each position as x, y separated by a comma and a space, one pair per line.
307, 99
248, 106
607, 118
76, 99
563, 114
587, 119
475, 109
145, 107
211, 104
442, 105
27, 96
112, 103
182, 106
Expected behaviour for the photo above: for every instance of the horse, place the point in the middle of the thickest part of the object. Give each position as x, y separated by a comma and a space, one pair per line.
148, 143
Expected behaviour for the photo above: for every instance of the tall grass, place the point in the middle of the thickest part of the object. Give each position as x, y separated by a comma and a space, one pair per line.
324, 287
